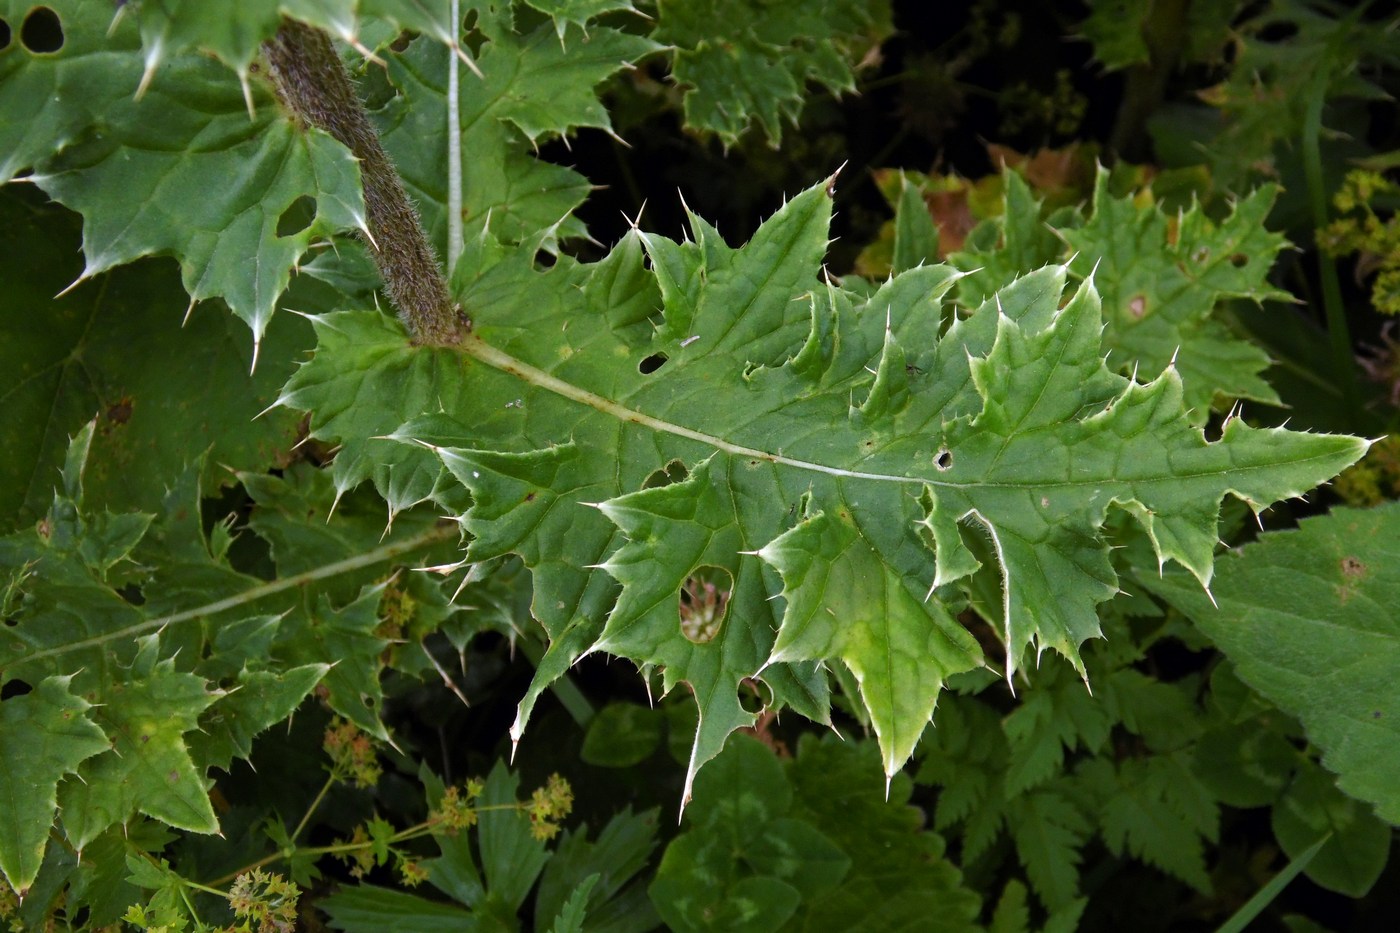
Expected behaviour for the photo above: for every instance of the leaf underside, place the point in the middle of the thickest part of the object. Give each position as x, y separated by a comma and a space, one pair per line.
724, 468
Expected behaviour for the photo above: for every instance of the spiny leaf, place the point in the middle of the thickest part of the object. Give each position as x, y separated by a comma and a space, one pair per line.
566, 13
836, 439
142, 182
533, 87
1161, 280
743, 61
148, 768
44, 735
234, 32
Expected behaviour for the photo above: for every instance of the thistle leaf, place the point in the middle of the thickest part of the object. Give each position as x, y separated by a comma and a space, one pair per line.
780, 471
44, 735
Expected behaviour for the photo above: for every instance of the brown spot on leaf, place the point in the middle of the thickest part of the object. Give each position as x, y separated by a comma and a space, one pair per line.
120, 413
1137, 307
1352, 568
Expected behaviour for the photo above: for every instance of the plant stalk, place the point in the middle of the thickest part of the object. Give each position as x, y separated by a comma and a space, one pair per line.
1338, 333
313, 83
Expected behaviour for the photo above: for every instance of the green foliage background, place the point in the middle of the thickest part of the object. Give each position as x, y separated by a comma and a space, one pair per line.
307, 625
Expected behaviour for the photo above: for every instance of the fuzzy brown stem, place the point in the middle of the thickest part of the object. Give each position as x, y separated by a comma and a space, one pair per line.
311, 80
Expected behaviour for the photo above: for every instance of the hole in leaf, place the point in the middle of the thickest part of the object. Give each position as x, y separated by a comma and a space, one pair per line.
42, 31
652, 363
673, 472
297, 217
4, 34
1137, 307
1239, 260
703, 602
15, 688
400, 44
943, 459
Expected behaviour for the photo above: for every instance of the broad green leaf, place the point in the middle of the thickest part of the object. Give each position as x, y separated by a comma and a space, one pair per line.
1307, 617
364, 908
50, 95
139, 170
92, 358
748, 61
1357, 846
1001, 248
44, 735
617, 903
621, 735
511, 856
535, 86
148, 768
774, 436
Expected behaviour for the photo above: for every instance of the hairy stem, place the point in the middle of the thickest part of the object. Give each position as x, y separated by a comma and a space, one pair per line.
387, 552
454, 155
312, 82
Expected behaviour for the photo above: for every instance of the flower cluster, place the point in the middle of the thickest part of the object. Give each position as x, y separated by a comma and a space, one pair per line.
548, 806
264, 902
352, 753
1375, 240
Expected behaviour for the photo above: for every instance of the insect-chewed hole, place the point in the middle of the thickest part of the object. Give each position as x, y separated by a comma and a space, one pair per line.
673, 472
943, 459
42, 31
15, 688
297, 217
4, 34
703, 602
652, 363
1239, 260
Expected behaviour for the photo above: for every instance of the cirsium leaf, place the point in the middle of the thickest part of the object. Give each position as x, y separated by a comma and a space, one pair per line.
830, 443
44, 735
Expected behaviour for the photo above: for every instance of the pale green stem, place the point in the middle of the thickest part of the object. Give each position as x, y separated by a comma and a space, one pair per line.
454, 152
253, 594
306, 817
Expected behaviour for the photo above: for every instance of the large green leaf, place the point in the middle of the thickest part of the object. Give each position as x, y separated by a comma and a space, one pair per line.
1308, 618
44, 735
832, 447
